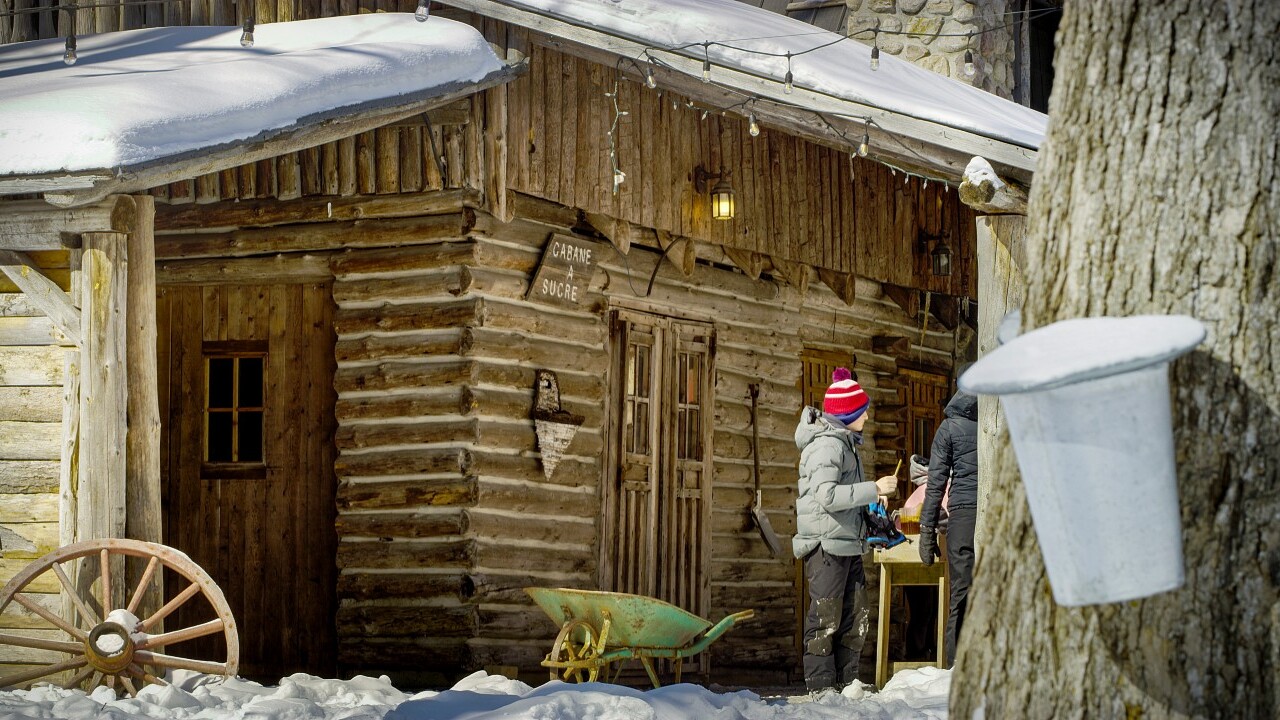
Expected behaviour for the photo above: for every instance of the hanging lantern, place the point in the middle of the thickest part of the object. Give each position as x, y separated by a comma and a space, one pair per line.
941, 259
722, 207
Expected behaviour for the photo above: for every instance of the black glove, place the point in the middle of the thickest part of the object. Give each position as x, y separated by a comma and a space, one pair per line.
928, 545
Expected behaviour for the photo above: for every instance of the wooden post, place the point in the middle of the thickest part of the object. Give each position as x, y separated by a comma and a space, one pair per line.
142, 447
103, 390
1002, 248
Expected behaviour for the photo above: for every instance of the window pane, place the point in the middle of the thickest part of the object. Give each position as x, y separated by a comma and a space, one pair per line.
220, 382
629, 424
250, 427
219, 440
250, 382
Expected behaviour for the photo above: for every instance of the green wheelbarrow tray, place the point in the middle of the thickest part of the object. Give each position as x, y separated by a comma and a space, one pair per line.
598, 628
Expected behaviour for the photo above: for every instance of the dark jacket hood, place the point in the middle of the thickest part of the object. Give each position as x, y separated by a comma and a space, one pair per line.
962, 405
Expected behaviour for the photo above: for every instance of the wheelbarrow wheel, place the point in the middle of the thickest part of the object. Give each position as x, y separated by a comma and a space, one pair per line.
576, 647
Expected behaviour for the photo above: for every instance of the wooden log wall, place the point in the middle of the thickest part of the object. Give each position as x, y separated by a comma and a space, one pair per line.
33, 356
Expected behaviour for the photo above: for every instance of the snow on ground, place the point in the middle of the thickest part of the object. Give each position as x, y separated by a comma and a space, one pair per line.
910, 694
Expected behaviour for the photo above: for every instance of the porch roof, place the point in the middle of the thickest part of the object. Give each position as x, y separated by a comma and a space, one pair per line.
916, 118
145, 107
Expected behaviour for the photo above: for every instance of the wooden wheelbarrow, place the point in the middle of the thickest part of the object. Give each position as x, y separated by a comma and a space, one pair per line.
598, 628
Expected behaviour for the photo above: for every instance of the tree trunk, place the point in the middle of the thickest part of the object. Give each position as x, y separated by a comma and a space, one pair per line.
1157, 192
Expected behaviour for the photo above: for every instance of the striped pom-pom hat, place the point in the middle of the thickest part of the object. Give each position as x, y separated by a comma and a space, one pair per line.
845, 398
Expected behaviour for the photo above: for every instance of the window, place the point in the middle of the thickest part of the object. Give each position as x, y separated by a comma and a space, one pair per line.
235, 400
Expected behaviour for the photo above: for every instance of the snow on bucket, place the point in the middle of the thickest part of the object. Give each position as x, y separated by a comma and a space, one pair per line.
1087, 401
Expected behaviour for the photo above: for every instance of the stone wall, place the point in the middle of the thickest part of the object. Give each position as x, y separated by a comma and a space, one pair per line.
934, 34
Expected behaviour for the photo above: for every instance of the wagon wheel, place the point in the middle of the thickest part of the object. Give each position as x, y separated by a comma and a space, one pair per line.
109, 644
582, 656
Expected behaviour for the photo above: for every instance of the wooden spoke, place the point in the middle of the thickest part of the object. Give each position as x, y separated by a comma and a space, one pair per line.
128, 685
137, 671
96, 681
177, 663
79, 677
35, 673
105, 559
177, 636
142, 584
34, 607
86, 612
41, 643
170, 606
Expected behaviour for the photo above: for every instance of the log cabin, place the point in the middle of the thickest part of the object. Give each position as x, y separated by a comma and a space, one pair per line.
314, 360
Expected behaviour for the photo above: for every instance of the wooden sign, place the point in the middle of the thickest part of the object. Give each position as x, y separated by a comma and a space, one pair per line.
568, 264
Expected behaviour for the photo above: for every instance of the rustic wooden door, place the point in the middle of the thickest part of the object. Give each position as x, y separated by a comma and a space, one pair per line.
925, 394
657, 509
246, 391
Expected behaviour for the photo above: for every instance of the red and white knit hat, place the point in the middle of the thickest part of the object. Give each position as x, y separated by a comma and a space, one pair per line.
845, 398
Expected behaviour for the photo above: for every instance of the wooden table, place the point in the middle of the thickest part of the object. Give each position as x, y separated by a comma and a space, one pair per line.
901, 566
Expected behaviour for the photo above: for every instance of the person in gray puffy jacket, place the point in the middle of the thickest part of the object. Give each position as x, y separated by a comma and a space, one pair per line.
831, 532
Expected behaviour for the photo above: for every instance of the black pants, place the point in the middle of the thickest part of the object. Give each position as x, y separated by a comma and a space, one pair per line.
960, 565
836, 624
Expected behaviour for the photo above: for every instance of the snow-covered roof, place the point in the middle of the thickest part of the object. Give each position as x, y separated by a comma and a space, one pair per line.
142, 98
748, 47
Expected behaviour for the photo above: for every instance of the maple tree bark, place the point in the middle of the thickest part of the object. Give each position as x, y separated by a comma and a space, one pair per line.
1156, 192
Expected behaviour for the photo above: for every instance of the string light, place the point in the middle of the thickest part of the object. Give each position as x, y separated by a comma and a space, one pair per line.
246, 37
649, 80
706, 64
787, 85
423, 12
865, 146
69, 57
968, 63
619, 176
753, 127
875, 57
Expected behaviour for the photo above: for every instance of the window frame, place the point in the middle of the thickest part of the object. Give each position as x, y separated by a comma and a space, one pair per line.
235, 350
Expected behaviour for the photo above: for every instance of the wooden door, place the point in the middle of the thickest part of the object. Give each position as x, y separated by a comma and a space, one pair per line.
925, 395
657, 509
246, 389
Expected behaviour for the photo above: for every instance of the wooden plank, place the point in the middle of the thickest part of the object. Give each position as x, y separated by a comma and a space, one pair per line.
30, 331
103, 389
263, 213
495, 152
142, 448
29, 476
32, 365
30, 440
278, 269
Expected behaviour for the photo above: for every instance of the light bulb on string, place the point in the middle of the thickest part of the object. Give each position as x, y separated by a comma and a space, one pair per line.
704, 114
423, 12
968, 63
865, 146
875, 57
246, 37
706, 70
753, 127
787, 85
69, 57
649, 80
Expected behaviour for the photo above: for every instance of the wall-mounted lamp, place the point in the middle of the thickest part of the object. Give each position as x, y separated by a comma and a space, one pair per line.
1087, 401
940, 259
722, 205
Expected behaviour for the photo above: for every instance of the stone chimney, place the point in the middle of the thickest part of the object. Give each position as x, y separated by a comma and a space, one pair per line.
940, 31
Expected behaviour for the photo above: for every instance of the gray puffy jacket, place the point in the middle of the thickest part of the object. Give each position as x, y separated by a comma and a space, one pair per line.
832, 492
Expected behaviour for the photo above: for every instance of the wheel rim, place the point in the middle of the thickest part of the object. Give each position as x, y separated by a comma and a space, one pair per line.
108, 644
581, 653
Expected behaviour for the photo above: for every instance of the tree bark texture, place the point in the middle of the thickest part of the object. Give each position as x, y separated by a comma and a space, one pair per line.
1157, 192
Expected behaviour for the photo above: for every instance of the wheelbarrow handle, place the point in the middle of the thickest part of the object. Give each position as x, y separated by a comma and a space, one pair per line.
715, 631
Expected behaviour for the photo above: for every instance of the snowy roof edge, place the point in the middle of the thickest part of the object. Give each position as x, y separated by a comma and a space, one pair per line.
952, 146
70, 189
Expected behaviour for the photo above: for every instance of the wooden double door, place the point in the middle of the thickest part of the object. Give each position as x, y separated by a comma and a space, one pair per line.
247, 455
658, 500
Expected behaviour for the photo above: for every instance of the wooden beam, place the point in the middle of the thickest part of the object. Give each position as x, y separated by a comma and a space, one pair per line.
27, 225
265, 212
294, 268
906, 298
751, 263
842, 284
43, 293
104, 393
796, 274
987, 193
684, 257
618, 232
308, 133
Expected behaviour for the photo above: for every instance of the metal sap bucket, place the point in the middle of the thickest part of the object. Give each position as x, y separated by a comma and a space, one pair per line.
1087, 401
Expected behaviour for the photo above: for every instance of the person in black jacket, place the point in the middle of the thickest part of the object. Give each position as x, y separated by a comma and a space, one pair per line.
953, 459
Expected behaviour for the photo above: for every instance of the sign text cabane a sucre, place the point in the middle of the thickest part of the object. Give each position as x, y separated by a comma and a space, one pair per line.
568, 263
